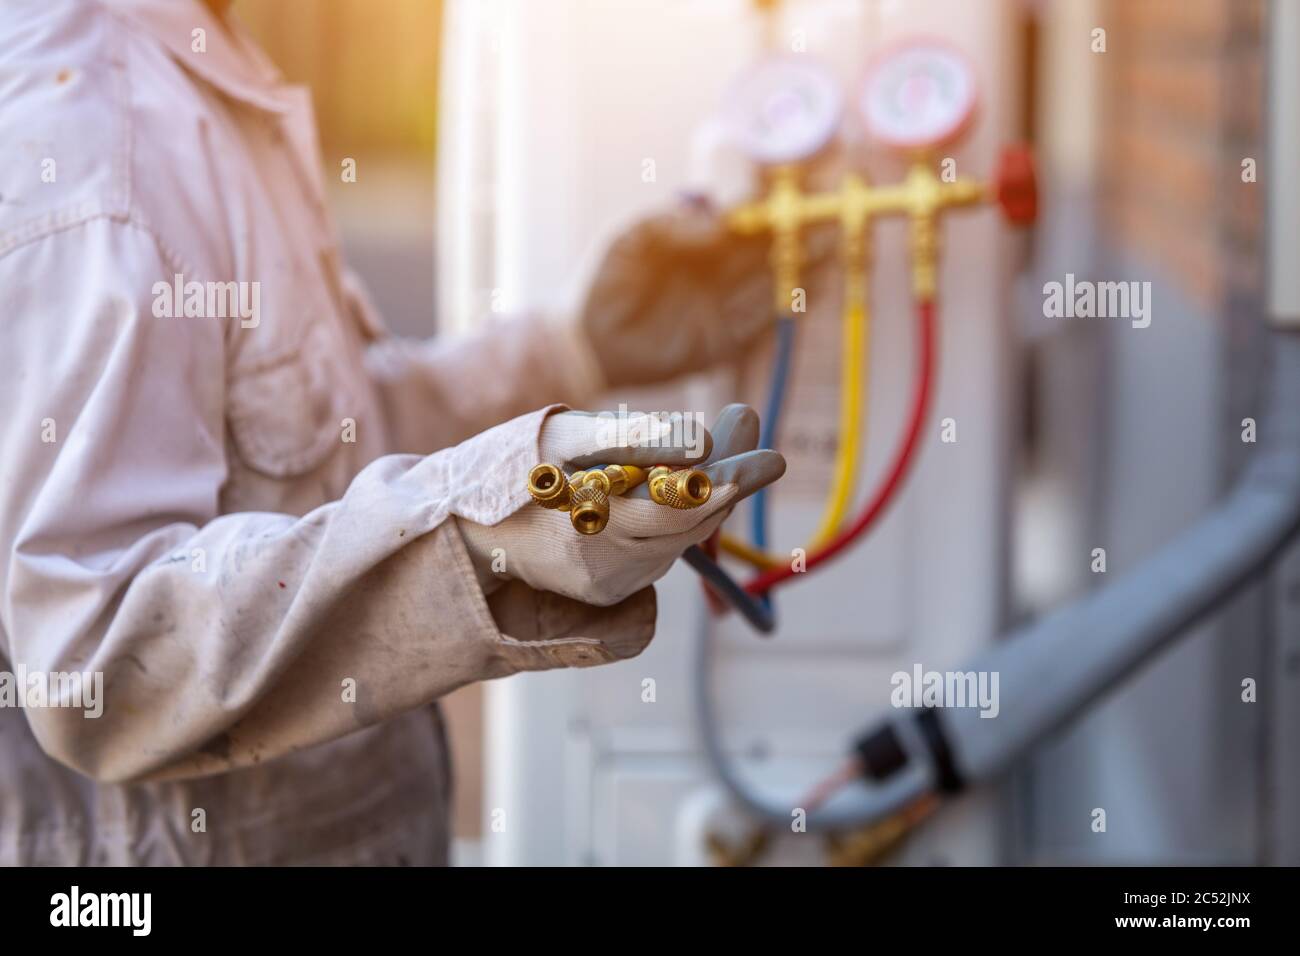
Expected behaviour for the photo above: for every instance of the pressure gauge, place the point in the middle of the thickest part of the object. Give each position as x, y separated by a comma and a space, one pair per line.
918, 95
783, 110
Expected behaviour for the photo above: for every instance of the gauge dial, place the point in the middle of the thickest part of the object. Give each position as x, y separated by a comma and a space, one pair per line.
919, 95
783, 111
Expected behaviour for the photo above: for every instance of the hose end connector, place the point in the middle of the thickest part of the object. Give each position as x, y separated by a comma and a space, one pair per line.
548, 486
623, 478
590, 510
687, 488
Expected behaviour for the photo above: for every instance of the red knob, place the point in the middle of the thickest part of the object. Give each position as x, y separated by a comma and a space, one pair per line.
1017, 185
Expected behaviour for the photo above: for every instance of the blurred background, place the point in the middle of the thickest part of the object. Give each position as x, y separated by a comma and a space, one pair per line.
373, 72
501, 143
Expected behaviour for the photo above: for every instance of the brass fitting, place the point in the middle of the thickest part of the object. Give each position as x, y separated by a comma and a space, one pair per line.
589, 512
871, 844
623, 478
747, 851
596, 479
921, 196
687, 488
585, 494
590, 493
783, 211
549, 487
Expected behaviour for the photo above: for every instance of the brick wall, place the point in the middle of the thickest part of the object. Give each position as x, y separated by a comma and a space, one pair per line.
1184, 104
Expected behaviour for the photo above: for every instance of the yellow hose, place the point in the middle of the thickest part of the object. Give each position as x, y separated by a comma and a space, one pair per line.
855, 342
856, 336
748, 553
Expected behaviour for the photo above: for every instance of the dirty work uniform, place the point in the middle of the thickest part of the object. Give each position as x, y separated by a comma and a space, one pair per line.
244, 524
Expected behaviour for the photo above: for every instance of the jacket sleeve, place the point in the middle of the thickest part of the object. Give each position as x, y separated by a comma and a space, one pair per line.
225, 640
475, 380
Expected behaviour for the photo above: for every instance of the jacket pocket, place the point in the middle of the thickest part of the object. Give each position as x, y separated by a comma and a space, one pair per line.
285, 413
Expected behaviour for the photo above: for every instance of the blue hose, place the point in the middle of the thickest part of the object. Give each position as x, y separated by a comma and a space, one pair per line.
771, 423
756, 610
753, 609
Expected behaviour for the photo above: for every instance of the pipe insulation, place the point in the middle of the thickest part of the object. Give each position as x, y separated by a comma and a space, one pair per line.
1054, 669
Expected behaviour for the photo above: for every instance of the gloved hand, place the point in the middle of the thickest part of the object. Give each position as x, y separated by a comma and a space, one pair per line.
680, 292
642, 539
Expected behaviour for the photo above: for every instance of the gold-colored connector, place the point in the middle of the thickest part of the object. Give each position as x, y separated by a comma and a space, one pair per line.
687, 488
783, 212
872, 844
746, 851
549, 487
921, 196
589, 512
623, 478
591, 491
585, 494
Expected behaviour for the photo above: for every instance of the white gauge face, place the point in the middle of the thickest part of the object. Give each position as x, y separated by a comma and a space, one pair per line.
917, 96
783, 111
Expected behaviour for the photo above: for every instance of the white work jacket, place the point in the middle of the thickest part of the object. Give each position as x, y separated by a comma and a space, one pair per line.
243, 524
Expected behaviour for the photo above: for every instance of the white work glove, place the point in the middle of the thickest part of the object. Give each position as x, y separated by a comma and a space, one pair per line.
679, 292
642, 539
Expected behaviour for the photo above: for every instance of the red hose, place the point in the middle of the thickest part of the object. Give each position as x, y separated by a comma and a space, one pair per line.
898, 469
